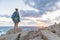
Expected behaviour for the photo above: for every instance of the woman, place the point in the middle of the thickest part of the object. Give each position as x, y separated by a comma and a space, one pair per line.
16, 19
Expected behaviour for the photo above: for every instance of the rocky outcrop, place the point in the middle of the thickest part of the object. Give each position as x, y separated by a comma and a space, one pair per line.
33, 34
37, 38
1, 38
17, 36
10, 37
47, 35
55, 29
24, 35
11, 31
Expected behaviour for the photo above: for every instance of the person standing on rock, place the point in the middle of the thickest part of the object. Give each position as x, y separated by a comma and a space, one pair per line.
16, 19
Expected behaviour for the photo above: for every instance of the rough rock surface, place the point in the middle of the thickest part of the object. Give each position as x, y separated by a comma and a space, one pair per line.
11, 31
24, 35
49, 33
55, 29
1, 38
12, 37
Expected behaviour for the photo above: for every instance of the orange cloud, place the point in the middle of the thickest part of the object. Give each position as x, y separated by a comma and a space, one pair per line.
41, 24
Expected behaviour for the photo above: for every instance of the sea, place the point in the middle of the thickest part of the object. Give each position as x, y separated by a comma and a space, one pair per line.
4, 29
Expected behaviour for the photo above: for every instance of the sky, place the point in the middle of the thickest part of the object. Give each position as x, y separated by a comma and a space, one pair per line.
50, 12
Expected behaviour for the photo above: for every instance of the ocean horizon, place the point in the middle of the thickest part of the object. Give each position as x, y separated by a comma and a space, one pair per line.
4, 29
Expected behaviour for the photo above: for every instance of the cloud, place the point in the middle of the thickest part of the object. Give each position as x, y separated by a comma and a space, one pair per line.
5, 21
53, 15
42, 5
32, 15
25, 21
7, 7
29, 13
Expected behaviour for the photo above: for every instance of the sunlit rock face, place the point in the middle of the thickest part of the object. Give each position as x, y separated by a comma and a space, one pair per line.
55, 29
47, 35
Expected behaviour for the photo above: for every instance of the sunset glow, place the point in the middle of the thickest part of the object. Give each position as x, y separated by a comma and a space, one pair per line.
40, 24
32, 12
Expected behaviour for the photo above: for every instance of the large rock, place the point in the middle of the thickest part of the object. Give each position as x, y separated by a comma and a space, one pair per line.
17, 36
55, 29
49, 35
33, 34
1, 38
24, 35
14, 36
37, 38
11, 31
10, 37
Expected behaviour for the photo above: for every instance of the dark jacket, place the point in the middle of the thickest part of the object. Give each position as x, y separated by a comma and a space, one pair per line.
15, 17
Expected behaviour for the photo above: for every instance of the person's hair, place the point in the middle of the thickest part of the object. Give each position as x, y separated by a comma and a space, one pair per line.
16, 9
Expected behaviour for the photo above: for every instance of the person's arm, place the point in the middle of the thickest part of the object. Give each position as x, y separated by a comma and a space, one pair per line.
18, 16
